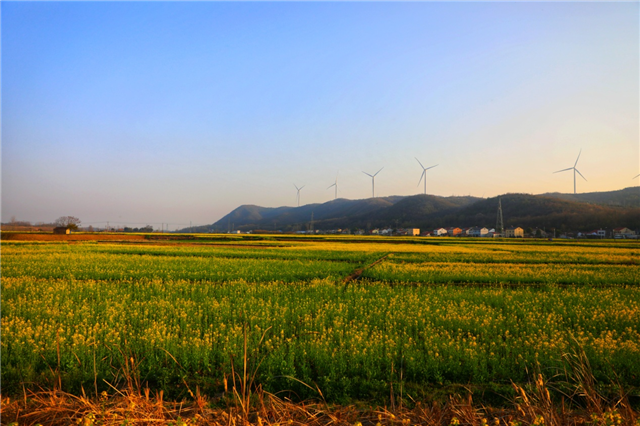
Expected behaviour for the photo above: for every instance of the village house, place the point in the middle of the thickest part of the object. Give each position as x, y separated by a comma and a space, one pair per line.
439, 232
598, 233
61, 230
541, 233
454, 232
623, 233
492, 233
476, 231
513, 232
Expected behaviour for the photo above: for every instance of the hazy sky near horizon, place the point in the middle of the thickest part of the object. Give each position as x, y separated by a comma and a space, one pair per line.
150, 112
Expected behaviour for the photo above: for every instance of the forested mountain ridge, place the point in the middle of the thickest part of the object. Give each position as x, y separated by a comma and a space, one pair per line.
562, 211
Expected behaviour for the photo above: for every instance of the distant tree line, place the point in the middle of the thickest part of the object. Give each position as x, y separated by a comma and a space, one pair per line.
147, 228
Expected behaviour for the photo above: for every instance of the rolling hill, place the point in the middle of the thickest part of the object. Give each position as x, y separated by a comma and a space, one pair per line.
561, 211
628, 197
267, 218
540, 211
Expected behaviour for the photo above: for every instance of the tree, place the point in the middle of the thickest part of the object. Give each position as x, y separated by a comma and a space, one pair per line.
69, 222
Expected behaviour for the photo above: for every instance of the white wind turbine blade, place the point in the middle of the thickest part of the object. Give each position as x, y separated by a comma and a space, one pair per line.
302, 186
424, 172
581, 174
432, 167
578, 159
367, 174
377, 172
297, 187
331, 186
635, 177
563, 170
419, 162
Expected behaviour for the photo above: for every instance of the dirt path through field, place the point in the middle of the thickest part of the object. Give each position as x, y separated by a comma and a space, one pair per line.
356, 274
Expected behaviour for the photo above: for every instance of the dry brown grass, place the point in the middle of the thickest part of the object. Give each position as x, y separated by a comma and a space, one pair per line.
142, 407
246, 403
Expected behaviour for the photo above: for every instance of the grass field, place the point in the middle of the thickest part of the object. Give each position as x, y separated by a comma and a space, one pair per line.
431, 315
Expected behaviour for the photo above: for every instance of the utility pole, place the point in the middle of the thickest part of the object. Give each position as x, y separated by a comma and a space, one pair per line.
500, 222
311, 223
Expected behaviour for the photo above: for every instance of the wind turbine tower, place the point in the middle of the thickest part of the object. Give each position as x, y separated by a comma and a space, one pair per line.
336, 186
424, 174
574, 172
298, 194
373, 182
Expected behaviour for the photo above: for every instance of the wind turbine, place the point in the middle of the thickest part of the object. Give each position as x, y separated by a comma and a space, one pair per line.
373, 182
424, 174
336, 185
298, 194
574, 172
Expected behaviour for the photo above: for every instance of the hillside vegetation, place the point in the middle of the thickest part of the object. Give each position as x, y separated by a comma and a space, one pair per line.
571, 212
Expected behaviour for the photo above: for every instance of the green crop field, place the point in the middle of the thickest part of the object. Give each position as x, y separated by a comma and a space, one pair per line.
432, 314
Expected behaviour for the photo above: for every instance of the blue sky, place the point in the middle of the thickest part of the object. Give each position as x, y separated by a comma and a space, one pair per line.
173, 112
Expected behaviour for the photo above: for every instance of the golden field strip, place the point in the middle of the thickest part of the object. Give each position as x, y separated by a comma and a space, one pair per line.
433, 314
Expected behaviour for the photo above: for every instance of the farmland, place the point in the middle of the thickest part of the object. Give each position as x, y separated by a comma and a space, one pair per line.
433, 314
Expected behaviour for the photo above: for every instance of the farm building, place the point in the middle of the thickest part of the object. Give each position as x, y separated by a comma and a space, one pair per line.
61, 230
